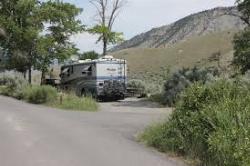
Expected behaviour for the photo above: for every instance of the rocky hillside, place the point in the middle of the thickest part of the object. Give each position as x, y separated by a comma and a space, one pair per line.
199, 24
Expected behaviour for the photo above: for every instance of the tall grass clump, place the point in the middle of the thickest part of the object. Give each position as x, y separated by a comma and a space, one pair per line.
39, 94
73, 102
210, 123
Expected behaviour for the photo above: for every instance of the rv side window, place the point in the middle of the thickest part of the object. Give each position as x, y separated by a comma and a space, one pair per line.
90, 71
87, 70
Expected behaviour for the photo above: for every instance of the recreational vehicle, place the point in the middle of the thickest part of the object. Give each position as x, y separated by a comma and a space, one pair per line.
102, 78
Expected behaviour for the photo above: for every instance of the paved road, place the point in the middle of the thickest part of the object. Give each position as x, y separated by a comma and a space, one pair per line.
33, 135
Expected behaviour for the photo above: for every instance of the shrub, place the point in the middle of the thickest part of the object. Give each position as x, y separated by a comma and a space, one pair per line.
158, 98
154, 89
40, 94
12, 85
138, 85
73, 102
182, 79
211, 123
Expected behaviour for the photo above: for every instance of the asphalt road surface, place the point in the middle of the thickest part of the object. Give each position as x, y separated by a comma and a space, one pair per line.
32, 135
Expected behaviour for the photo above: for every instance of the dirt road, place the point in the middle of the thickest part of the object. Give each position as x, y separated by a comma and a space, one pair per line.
32, 135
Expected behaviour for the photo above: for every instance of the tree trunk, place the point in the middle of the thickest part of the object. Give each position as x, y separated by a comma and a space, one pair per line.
43, 78
104, 46
24, 74
30, 77
30, 67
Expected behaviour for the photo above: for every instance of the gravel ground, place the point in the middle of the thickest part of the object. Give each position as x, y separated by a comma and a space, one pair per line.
33, 135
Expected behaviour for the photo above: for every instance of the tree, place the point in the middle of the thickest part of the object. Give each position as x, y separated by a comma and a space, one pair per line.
48, 50
12, 21
38, 32
242, 51
244, 8
89, 55
242, 40
107, 12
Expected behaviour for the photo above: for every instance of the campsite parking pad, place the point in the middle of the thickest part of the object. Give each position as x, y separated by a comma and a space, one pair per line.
33, 135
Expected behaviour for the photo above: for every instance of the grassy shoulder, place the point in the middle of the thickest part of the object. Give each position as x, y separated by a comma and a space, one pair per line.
210, 124
18, 88
72, 102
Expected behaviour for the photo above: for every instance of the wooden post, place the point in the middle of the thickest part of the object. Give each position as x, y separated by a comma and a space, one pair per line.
61, 98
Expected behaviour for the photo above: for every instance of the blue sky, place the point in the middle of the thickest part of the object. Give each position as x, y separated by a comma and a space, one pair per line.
142, 15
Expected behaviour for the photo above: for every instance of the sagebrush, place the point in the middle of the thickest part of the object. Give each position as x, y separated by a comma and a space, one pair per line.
39, 94
182, 79
12, 85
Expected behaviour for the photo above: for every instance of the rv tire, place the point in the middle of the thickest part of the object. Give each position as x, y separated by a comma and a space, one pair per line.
83, 93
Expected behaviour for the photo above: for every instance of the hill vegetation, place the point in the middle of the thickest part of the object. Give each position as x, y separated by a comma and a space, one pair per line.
149, 63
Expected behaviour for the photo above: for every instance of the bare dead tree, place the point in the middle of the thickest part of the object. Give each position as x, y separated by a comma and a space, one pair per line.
107, 12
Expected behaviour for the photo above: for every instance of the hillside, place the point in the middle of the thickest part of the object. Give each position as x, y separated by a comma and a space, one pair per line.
199, 24
147, 63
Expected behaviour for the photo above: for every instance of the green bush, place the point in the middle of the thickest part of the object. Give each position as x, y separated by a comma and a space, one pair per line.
12, 86
211, 123
39, 94
182, 79
73, 102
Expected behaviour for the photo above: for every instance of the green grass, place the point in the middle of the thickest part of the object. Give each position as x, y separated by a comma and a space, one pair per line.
72, 102
148, 63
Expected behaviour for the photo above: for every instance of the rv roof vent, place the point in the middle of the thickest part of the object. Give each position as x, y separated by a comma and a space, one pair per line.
86, 60
81, 61
108, 57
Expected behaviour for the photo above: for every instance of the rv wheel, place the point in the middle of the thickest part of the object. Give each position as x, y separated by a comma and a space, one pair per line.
83, 93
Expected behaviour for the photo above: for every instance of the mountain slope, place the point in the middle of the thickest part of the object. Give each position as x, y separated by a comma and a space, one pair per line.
147, 63
199, 24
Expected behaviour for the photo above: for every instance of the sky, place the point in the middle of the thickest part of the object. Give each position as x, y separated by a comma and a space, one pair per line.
139, 16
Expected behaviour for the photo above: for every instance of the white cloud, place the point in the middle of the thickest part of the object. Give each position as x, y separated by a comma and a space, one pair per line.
142, 15
87, 42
